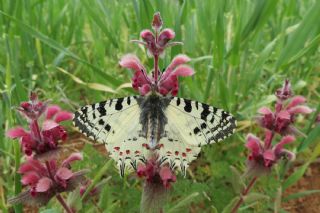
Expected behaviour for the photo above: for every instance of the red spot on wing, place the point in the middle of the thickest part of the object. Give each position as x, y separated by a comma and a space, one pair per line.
117, 148
184, 154
188, 150
160, 146
176, 153
145, 146
128, 152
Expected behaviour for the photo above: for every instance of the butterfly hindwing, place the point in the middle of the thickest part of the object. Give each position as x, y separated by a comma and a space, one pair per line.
174, 151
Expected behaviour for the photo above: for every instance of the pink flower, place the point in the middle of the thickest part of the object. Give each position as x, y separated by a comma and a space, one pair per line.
285, 92
282, 120
40, 139
167, 177
167, 83
157, 46
32, 109
155, 174
263, 155
157, 22
163, 83
45, 180
140, 80
55, 113
156, 43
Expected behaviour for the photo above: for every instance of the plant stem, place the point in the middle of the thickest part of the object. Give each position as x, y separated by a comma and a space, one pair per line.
58, 196
156, 60
63, 203
49, 170
17, 176
244, 193
35, 124
153, 197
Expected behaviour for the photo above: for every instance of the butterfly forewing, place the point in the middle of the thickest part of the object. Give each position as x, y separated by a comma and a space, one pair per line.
200, 123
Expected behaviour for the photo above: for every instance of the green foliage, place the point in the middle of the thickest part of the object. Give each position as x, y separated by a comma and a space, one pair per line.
242, 50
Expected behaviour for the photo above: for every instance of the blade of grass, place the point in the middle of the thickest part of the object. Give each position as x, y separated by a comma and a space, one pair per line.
16, 146
298, 38
98, 19
292, 179
313, 134
301, 194
95, 86
53, 44
97, 178
183, 202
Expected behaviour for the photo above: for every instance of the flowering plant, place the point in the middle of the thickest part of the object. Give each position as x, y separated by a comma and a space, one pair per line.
43, 175
263, 156
158, 178
38, 139
166, 82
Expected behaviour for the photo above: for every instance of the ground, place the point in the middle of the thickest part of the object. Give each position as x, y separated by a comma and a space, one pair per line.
310, 181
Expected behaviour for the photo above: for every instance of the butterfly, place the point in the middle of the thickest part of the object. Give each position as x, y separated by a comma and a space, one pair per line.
136, 128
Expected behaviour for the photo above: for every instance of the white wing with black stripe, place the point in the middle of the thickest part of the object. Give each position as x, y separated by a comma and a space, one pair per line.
190, 125
199, 123
116, 124
133, 128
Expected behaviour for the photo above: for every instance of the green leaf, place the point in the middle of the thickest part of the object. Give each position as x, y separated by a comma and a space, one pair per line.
253, 197
262, 11
183, 202
301, 194
312, 134
99, 20
97, 178
312, 137
214, 209
300, 35
95, 86
278, 200
53, 210
74, 200
310, 45
230, 205
292, 179
236, 180
55, 45
315, 154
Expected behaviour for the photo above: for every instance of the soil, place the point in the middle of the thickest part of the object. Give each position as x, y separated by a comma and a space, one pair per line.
310, 203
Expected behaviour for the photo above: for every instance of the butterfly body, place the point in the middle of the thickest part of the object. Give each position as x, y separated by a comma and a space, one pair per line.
136, 128
153, 118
